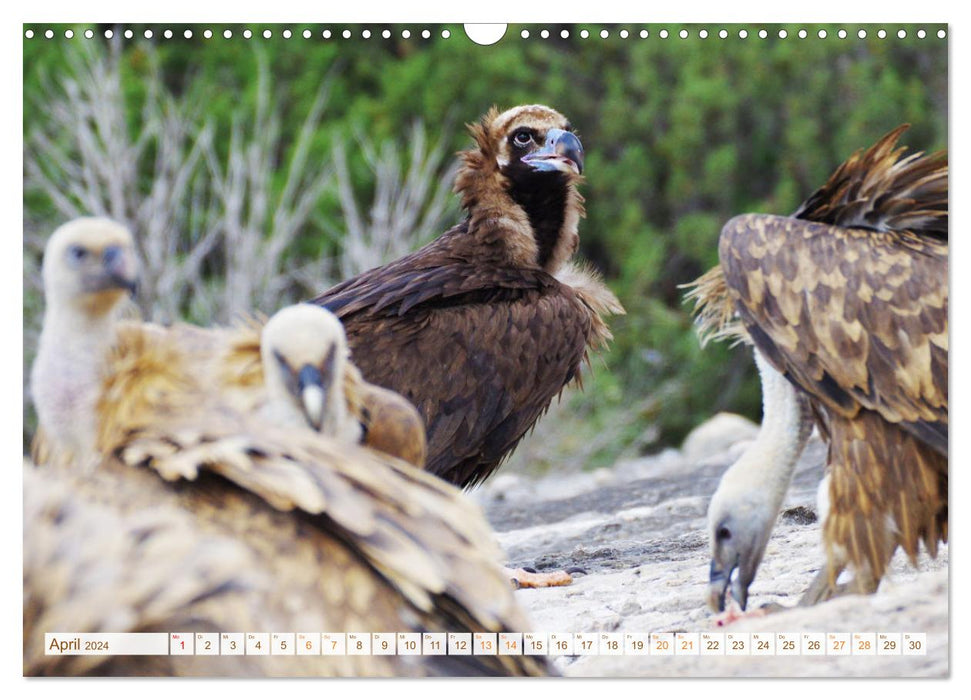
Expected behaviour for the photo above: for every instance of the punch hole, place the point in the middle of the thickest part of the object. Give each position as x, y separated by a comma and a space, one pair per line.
488, 34
821, 33
663, 33
287, 34
366, 33
307, 34
941, 34
604, 33
29, 34
69, 34
703, 33
425, 34
406, 34
644, 34
187, 33
861, 33
49, 34
545, 34
841, 33
446, 34
722, 33
565, 34
228, 34
624, 33
88, 34
584, 34
743, 34
921, 34
326, 34
149, 34
783, 33
902, 34
167, 33
803, 34
346, 33
683, 34
247, 34
882, 34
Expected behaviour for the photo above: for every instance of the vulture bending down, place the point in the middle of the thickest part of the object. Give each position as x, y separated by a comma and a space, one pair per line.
846, 305
208, 506
481, 328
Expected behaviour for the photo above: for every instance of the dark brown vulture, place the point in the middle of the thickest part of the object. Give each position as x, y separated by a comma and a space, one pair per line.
847, 299
179, 489
481, 328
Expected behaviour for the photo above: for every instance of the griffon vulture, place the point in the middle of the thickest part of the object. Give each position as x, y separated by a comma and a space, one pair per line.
490, 321
315, 533
846, 304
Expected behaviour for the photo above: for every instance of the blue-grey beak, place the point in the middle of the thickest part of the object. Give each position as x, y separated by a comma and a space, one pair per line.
313, 395
562, 151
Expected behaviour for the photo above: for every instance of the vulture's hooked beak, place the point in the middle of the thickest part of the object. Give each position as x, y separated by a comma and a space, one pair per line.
562, 151
733, 580
118, 271
718, 582
312, 388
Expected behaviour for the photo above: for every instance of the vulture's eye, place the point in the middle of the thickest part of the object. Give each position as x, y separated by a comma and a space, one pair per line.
76, 253
522, 138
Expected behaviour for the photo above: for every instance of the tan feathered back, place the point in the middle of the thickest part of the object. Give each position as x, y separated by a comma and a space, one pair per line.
848, 299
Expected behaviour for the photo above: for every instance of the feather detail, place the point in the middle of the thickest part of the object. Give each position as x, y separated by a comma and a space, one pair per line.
848, 299
714, 310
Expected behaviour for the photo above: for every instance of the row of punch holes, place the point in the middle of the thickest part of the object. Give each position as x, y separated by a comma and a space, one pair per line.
486, 37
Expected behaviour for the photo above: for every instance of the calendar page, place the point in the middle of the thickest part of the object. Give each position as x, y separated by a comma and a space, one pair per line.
625, 356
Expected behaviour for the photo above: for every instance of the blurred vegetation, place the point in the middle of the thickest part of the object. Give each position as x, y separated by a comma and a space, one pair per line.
680, 135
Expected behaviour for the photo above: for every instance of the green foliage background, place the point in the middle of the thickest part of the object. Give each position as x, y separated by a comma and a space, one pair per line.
680, 135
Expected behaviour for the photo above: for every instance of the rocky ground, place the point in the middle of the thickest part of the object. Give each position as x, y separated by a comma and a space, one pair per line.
638, 530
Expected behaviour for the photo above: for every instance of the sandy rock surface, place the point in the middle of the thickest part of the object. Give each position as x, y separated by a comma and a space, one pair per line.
638, 530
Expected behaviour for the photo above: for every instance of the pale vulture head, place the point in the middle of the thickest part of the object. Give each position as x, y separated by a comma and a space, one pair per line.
740, 521
305, 353
89, 265
89, 268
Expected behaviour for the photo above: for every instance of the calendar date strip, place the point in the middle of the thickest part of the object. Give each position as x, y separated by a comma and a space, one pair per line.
484, 644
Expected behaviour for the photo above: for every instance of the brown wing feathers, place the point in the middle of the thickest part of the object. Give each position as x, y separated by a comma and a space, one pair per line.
881, 189
846, 313
849, 299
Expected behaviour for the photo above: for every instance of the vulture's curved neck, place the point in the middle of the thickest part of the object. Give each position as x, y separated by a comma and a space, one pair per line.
76, 340
67, 374
769, 462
